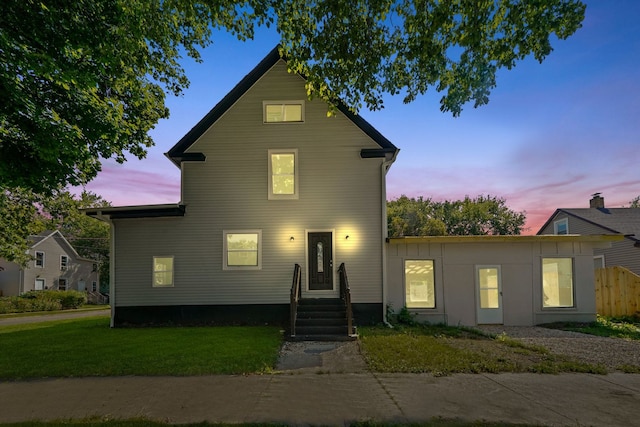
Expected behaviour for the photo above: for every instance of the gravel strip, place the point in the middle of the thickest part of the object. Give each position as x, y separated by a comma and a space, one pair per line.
609, 352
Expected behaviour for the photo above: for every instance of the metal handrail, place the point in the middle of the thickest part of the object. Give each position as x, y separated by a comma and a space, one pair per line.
345, 295
295, 297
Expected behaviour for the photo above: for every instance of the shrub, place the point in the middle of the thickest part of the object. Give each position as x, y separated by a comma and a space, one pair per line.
42, 301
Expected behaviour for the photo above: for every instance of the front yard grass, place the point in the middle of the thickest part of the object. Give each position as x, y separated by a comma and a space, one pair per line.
88, 347
442, 350
616, 327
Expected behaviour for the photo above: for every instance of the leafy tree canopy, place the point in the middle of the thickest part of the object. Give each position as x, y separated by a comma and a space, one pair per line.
635, 203
24, 213
425, 217
82, 80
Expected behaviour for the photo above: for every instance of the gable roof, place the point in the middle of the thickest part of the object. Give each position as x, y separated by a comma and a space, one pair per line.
624, 221
38, 239
178, 154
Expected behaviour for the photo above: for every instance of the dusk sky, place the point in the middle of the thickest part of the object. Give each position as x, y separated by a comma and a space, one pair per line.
552, 134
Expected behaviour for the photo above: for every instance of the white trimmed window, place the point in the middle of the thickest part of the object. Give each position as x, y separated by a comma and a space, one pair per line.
64, 262
283, 174
39, 259
561, 226
557, 282
162, 271
62, 284
40, 285
598, 262
419, 284
242, 250
283, 111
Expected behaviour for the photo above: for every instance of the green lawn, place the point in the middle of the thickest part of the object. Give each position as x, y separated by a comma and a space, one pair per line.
88, 347
443, 350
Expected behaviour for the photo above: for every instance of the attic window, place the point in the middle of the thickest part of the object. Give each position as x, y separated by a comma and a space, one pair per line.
561, 226
283, 111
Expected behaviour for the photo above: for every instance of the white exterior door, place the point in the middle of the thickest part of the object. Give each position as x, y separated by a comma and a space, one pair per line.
489, 294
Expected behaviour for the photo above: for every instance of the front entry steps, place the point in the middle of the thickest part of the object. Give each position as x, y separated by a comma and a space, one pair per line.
322, 319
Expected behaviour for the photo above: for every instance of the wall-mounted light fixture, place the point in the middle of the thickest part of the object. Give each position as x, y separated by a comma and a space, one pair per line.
291, 239
346, 237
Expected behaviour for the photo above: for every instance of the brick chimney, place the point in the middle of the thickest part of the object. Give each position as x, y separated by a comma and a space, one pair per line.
596, 201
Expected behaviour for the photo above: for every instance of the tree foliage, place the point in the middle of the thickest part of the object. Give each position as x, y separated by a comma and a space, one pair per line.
83, 80
635, 203
24, 213
484, 215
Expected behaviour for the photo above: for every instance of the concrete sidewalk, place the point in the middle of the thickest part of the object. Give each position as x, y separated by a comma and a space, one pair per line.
333, 399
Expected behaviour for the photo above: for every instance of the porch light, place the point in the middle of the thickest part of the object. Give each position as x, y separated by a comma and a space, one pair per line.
291, 239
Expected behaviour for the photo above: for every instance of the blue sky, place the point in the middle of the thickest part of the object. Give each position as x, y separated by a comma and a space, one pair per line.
552, 134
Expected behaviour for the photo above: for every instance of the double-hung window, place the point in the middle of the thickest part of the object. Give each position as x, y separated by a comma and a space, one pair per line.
39, 259
561, 226
242, 250
557, 282
64, 262
162, 271
283, 174
419, 284
283, 111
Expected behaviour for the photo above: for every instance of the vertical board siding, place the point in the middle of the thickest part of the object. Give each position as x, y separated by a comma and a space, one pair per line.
617, 292
338, 191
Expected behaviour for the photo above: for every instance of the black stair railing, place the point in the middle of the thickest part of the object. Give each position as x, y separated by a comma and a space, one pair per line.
295, 297
345, 295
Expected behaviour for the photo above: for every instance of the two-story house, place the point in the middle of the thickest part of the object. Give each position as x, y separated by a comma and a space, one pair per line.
270, 181
55, 265
598, 219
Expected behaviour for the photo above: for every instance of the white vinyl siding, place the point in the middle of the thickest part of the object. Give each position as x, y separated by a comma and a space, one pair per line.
338, 190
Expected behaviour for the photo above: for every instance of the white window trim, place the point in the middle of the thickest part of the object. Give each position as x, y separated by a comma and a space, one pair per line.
241, 267
573, 284
44, 283
559, 222
153, 271
35, 261
66, 284
602, 258
406, 284
296, 186
281, 102
66, 264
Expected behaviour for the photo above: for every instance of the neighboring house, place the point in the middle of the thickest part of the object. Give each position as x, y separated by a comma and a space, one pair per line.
270, 181
597, 219
55, 265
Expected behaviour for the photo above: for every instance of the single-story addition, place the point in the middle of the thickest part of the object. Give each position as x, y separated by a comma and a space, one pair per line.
282, 219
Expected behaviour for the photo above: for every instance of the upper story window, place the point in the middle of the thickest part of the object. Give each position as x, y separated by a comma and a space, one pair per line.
162, 271
283, 111
242, 250
561, 226
39, 259
64, 262
283, 174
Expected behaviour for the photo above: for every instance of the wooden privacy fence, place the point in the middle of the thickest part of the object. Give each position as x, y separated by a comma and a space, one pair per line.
617, 292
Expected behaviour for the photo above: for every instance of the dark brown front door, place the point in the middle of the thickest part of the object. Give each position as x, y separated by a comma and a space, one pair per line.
320, 262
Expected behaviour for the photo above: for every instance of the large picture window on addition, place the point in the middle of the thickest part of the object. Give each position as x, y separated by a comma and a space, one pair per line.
557, 282
242, 250
419, 284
